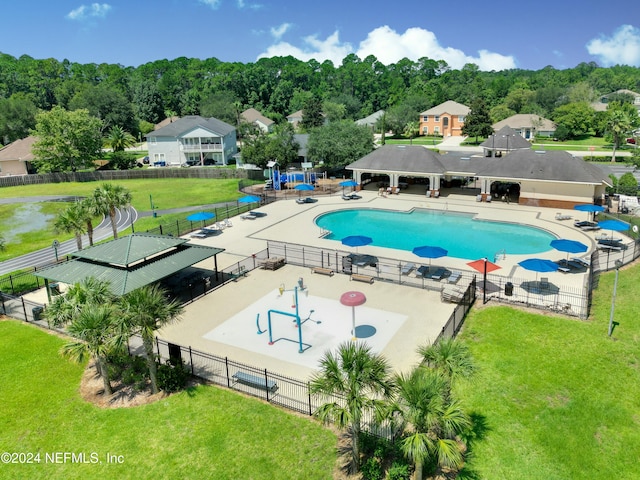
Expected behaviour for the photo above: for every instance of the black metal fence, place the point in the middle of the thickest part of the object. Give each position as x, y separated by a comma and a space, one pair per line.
568, 299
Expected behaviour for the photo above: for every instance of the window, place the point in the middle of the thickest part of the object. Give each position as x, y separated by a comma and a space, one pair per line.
436, 118
425, 118
158, 157
425, 130
461, 118
436, 130
154, 140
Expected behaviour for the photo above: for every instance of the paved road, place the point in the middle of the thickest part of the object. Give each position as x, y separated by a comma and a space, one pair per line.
124, 219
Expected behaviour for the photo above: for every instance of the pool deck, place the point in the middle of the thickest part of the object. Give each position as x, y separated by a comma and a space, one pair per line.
224, 321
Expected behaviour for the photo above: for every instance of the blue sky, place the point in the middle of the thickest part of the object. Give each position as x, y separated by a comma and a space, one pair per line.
495, 35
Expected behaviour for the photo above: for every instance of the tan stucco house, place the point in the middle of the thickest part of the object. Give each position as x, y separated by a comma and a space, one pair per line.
445, 119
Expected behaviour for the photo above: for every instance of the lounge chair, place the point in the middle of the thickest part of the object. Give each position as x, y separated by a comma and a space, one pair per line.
346, 197
544, 283
582, 261
562, 216
407, 268
248, 216
355, 196
257, 214
455, 276
422, 271
227, 223
437, 274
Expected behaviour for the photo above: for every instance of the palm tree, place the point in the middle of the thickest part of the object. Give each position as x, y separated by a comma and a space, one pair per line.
118, 139
449, 356
109, 198
430, 420
93, 330
66, 308
146, 310
70, 220
619, 124
411, 129
362, 379
90, 209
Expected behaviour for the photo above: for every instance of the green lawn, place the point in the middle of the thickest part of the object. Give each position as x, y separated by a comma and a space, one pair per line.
165, 193
558, 397
206, 432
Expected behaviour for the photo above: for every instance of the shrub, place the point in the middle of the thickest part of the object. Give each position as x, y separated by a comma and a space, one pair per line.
172, 378
372, 469
399, 471
129, 370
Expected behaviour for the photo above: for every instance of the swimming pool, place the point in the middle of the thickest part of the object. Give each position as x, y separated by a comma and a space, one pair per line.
458, 233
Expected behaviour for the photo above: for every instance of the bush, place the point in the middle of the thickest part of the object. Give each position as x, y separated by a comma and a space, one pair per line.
172, 378
128, 370
399, 471
372, 469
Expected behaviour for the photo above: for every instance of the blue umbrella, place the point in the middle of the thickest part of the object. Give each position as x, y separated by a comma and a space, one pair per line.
614, 225
304, 186
430, 252
201, 216
589, 207
356, 241
538, 265
348, 183
569, 246
249, 199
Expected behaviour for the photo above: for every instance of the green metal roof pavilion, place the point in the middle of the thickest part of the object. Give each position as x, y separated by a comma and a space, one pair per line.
130, 262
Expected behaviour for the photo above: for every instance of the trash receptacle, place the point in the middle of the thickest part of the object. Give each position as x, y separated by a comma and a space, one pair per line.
508, 289
37, 313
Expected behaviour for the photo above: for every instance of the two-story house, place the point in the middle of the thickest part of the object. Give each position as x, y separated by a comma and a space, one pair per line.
445, 119
251, 115
192, 140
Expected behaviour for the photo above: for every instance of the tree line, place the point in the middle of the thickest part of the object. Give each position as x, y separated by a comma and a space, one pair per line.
135, 99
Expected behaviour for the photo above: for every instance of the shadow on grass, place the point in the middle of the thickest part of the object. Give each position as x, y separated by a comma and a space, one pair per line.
478, 432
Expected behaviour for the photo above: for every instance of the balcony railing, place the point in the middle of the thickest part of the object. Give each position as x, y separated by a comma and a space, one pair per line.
203, 147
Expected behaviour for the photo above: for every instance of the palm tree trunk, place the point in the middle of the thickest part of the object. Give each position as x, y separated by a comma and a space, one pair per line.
151, 363
79, 241
613, 155
90, 232
417, 473
104, 373
112, 217
355, 447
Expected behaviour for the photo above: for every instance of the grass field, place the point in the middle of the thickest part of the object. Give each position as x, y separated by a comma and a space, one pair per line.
165, 193
206, 432
558, 397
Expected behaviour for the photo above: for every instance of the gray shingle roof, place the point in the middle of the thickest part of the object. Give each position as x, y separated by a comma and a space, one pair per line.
526, 120
400, 158
18, 150
558, 166
191, 122
506, 139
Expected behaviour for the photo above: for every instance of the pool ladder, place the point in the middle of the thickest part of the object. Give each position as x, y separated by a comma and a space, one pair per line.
500, 255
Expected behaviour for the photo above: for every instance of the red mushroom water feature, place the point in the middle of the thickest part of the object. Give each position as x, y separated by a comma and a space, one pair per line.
353, 300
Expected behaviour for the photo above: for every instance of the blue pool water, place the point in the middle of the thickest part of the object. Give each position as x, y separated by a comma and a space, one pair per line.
458, 233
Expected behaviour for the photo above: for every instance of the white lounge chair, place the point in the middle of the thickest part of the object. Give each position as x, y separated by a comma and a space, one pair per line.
563, 216
455, 276
407, 268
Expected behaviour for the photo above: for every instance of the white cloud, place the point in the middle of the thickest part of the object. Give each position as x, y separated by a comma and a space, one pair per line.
214, 4
388, 47
278, 32
251, 6
329, 49
622, 48
84, 12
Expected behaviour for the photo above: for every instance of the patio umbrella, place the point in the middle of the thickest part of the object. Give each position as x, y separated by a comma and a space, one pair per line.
353, 300
249, 199
201, 217
430, 252
589, 207
484, 266
537, 265
569, 246
614, 225
356, 241
304, 187
348, 183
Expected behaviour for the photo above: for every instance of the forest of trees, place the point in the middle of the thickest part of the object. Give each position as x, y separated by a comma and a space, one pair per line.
136, 98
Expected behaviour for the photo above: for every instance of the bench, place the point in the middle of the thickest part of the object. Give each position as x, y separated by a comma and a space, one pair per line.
255, 381
241, 272
362, 278
323, 271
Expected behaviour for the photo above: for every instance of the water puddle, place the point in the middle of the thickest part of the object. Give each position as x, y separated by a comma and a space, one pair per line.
27, 217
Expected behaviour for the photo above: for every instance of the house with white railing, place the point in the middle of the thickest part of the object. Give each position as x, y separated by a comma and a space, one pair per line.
192, 140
